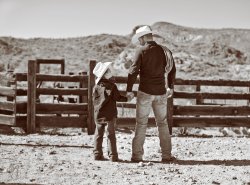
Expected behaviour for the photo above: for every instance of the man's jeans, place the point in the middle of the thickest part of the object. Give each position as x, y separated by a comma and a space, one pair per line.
109, 126
159, 104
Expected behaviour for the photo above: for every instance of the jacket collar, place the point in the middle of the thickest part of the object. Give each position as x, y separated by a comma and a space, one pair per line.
103, 80
151, 43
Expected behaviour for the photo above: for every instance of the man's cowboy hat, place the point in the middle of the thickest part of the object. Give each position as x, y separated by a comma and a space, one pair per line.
144, 30
100, 69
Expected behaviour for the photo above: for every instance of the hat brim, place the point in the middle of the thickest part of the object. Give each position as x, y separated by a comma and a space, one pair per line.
107, 64
97, 80
136, 37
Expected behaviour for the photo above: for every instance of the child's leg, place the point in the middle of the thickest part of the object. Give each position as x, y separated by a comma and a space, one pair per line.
111, 140
98, 139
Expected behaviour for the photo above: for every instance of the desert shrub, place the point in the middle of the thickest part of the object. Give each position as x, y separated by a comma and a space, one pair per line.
2, 67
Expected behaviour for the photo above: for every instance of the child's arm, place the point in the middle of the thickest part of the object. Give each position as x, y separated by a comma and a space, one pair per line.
117, 96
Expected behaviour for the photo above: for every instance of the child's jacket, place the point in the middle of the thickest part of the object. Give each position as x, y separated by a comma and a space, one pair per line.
105, 95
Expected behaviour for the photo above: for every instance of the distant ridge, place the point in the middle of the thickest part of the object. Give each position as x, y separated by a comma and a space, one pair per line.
198, 52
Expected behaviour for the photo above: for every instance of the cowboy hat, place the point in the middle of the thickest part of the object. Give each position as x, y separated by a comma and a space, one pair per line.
144, 30
100, 69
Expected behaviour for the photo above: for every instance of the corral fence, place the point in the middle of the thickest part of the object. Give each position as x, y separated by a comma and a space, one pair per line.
26, 110
196, 103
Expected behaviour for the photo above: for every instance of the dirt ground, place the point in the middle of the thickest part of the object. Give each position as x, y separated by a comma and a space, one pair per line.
68, 159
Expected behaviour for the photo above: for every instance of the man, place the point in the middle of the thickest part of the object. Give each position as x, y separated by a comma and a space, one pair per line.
152, 62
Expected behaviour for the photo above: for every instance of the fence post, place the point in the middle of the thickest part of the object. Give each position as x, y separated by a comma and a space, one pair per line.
248, 101
31, 95
83, 99
15, 101
170, 111
199, 101
91, 83
63, 67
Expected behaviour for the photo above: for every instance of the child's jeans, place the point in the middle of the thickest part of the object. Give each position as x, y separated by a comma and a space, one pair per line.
109, 126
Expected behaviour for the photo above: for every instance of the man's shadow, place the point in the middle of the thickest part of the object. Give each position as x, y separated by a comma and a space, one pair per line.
200, 162
234, 162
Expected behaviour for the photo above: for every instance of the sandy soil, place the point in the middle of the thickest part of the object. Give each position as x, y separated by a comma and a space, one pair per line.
68, 159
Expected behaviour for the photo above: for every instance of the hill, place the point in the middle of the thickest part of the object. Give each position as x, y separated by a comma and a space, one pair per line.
199, 53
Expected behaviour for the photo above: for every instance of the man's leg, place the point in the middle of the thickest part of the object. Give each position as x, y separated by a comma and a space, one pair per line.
160, 111
143, 107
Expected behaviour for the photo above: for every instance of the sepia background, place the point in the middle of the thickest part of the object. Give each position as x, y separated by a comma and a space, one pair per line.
208, 39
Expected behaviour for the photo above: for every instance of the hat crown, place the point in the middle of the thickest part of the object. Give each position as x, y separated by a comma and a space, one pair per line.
143, 29
100, 69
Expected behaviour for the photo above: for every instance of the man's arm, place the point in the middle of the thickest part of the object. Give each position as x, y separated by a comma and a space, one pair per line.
170, 79
171, 76
134, 70
170, 71
170, 67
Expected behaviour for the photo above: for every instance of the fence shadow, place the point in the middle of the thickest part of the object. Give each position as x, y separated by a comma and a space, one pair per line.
3, 183
46, 145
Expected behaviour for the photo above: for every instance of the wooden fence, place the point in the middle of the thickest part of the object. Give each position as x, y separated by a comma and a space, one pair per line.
32, 114
28, 112
213, 115
200, 113
77, 114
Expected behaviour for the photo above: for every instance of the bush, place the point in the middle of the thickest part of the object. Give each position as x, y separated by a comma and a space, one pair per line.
2, 67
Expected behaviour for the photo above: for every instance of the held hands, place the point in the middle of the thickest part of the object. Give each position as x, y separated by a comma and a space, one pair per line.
169, 92
130, 96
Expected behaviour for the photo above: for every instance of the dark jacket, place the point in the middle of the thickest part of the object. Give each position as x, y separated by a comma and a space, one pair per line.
150, 62
105, 95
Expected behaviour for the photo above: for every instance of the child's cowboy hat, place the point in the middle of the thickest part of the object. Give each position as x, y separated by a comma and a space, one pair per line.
144, 30
100, 69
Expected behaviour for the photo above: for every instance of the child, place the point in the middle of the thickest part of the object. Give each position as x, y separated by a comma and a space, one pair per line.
105, 95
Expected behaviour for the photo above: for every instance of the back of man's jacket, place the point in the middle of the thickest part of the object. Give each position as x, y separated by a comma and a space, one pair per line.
150, 62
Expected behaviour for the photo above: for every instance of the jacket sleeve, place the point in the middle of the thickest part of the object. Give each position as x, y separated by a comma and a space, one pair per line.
117, 96
134, 70
170, 67
171, 77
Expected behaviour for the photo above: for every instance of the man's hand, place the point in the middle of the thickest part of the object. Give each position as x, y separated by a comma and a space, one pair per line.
169, 92
130, 95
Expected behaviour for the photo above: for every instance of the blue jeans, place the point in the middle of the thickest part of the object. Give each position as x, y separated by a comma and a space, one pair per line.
109, 126
144, 104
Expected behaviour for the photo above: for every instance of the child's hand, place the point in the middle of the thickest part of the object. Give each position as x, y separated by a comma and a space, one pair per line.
130, 96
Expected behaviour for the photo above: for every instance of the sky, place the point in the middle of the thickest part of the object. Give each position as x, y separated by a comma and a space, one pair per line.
76, 18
